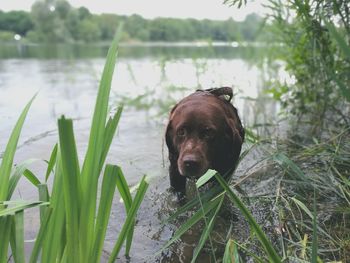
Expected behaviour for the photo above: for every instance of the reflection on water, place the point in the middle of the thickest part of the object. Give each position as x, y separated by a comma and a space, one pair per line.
71, 51
148, 81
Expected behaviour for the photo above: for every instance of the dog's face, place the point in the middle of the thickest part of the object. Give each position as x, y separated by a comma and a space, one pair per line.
202, 134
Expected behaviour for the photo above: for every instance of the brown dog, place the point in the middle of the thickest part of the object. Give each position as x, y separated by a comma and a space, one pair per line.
204, 131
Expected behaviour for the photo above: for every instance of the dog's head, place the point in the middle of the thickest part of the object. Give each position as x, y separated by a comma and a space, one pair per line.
204, 131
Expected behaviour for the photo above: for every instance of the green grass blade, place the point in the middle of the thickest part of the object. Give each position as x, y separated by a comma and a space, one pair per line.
19, 206
129, 237
17, 173
92, 163
52, 162
231, 253
286, 163
100, 114
314, 233
19, 232
268, 247
13, 239
205, 197
345, 90
206, 232
207, 207
104, 210
5, 230
130, 219
338, 38
64, 256
40, 237
205, 178
31, 177
302, 206
55, 240
7, 159
71, 189
110, 130
44, 197
124, 191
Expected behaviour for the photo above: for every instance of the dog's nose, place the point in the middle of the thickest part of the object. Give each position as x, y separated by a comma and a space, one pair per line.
191, 164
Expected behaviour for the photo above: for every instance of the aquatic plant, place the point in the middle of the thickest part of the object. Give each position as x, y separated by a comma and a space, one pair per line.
73, 218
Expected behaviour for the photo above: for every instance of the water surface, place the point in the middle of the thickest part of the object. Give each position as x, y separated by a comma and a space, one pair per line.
149, 81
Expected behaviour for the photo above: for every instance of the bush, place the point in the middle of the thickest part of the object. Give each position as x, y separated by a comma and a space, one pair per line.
6, 36
314, 57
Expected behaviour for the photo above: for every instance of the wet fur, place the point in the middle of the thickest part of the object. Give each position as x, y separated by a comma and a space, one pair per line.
204, 131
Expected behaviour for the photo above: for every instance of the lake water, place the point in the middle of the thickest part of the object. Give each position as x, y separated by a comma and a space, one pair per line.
148, 80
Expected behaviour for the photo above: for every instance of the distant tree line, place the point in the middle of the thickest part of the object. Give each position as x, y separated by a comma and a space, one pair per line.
58, 21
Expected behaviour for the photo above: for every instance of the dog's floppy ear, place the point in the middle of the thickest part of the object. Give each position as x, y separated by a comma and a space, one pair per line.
168, 137
237, 130
239, 126
237, 134
168, 132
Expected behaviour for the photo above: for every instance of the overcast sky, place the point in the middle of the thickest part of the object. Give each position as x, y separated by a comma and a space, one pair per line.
211, 9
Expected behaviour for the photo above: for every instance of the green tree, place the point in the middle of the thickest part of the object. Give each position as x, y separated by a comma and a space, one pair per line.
207, 29
218, 31
72, 22
108, 24
88, 30
48, 24
250, 26
62, 8
315, 35
6, 36
137, 27
165, 29
314, 58
18, 22
58, 21
84, 13
231, 27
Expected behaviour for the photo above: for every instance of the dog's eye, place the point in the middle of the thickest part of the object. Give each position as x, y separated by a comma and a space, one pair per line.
181, 132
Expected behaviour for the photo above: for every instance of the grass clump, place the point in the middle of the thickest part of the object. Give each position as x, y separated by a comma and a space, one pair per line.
73, 220
307, 200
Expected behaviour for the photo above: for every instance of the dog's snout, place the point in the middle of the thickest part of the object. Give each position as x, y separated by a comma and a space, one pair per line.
191, 163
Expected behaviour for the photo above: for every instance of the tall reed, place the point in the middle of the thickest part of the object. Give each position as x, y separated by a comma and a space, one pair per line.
73, 217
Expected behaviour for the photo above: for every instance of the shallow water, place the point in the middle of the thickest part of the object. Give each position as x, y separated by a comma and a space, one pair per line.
68, 86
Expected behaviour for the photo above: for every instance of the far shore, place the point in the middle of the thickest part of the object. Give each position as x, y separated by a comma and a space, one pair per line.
149, 44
